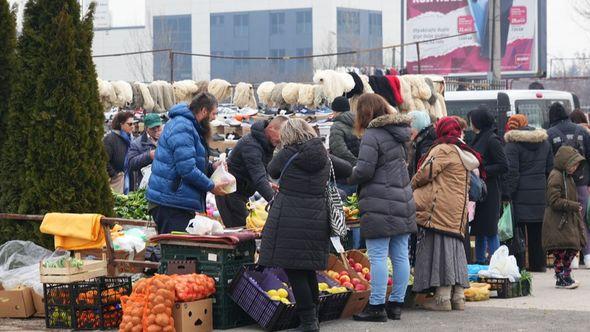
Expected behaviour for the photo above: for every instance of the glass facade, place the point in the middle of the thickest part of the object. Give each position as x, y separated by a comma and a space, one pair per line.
173, 32
275, 33
359, 29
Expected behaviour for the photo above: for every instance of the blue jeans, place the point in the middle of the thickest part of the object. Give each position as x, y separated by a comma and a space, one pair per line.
396, 247
491, 243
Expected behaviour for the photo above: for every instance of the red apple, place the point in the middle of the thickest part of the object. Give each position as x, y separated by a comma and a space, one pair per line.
360, 287
389, 281
348, 285
355, 281
366, 270
358, 267
368, 277
344, 279
351, 261
343, 273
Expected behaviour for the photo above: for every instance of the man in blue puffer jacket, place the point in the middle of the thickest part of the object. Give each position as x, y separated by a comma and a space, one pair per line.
180, 172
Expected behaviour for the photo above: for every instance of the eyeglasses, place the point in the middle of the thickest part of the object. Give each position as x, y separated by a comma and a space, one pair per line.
129, 124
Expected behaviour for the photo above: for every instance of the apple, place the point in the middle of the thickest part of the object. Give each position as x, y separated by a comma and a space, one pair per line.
368, 277
389, 281
358, 267
344, 279
351, 261
360, 287
355, 281
348, 285
343, 273
366, 270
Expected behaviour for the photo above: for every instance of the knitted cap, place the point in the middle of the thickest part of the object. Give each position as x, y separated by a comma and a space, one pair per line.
340, 104
448, 127
420, 119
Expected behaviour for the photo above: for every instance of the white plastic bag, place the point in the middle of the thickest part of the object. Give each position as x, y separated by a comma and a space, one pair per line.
201, 225
222, 175
19, 265
146, 172
502, 265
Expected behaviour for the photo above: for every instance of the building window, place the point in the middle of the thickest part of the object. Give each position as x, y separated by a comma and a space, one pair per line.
278, 65
277, 23
303, 65
240, 65
349, 21
241, 25
303, 22
172, 32
217, 20
375, 25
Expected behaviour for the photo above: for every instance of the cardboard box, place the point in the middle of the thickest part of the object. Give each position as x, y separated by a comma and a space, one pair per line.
16, 303
357, 300
39, 304
193, 316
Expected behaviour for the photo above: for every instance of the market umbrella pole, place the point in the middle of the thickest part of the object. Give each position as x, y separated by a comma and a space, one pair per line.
105, 222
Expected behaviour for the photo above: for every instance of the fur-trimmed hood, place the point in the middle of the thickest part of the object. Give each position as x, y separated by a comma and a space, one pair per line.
526, 135
397, 125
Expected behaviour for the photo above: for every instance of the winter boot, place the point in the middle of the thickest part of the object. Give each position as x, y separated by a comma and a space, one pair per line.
308, 321
441, 300
458, 298
394, 310
372, 313
565, 282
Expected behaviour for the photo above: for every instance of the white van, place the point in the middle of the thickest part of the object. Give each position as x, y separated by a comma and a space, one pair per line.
504, 103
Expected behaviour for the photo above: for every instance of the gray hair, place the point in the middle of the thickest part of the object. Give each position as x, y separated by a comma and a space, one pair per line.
296, 131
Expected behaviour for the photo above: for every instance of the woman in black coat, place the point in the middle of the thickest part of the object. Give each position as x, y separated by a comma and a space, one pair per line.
387, 210
487, 213
530, 160
296, 236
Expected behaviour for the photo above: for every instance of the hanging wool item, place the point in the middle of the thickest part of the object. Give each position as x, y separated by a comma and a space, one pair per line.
291, 93
366, 86
358, 88
335, 84
305, 95
406, 92
319, 96
221, 89
184, 90
107, 94
137, 96
158, 96
276, 96
244, 96
264, 92
202, 86
124, 94
148, 101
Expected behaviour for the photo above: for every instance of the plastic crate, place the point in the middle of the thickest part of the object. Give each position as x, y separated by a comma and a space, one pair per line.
242, 253
88, 305
270, 315
506, 289
229, 316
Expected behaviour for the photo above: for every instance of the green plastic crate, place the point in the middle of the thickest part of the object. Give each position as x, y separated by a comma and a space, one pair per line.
244, 252
229, 315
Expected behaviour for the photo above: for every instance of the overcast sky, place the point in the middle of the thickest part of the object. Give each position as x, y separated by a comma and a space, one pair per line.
567, 32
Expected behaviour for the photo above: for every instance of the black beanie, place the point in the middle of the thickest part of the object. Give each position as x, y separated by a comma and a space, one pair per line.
340, 104
481, 117
557, 112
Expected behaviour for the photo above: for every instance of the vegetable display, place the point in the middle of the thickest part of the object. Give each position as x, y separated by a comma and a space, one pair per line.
132, 206
351, 208
63, 261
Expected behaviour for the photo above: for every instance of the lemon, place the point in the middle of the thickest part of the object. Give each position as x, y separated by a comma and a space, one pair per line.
281, 292
272, 293
285, 301
275, 298
323, 286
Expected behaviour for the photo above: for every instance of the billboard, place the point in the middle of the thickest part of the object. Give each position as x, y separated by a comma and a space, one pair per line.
522, 33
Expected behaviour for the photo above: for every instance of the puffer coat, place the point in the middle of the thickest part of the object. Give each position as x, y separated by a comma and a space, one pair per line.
562, 223
530, 160
344, 143
441, 189
386, 202
297, 232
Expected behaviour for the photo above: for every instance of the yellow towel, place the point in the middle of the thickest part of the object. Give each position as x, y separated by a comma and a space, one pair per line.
74, 231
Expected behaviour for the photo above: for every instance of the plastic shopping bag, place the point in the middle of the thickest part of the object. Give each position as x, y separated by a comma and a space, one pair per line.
201, 225
222, 175
146, 172
257, 216
505, 231
502, 265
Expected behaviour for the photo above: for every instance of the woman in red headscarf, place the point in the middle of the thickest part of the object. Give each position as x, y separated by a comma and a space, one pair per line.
441, 193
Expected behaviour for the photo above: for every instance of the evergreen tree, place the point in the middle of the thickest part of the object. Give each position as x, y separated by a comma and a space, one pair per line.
7, 58
65, 161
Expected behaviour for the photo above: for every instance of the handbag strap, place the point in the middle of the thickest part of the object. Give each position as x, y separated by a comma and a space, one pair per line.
332, 177
287, 164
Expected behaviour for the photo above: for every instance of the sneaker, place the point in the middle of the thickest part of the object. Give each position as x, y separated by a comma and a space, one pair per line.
565, 282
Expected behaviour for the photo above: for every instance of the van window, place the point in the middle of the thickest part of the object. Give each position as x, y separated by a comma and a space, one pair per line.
537, 110
463, 107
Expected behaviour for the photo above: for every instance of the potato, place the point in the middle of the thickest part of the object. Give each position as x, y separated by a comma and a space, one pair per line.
162, 320
159, 308
154, 328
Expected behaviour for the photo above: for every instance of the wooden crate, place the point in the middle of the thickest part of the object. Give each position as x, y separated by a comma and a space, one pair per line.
90, 269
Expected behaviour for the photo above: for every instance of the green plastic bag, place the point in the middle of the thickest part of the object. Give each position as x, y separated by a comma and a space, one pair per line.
505, 231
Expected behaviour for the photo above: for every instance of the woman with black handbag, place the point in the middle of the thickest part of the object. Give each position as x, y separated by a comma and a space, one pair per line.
296, 235
387, 211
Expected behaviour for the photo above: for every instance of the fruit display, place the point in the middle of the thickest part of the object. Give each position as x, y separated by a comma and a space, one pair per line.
132, 206
324, 287
477, 292
364, 271
280, 294
63, 261
344, 280
59, 317
351, 208
193, 287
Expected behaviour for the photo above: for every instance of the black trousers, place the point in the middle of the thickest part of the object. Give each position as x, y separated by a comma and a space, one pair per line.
169, 219
305, 288
537, 256
232, 209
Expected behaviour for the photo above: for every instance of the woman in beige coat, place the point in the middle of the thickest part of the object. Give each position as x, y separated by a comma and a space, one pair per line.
441, 193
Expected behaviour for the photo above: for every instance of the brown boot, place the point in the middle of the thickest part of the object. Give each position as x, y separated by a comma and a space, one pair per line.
441, 300
458, 299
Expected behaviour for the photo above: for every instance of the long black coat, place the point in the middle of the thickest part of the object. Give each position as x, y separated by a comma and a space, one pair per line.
116, 147
385, 195
297, 232
487, 213
420, 146
529, 162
